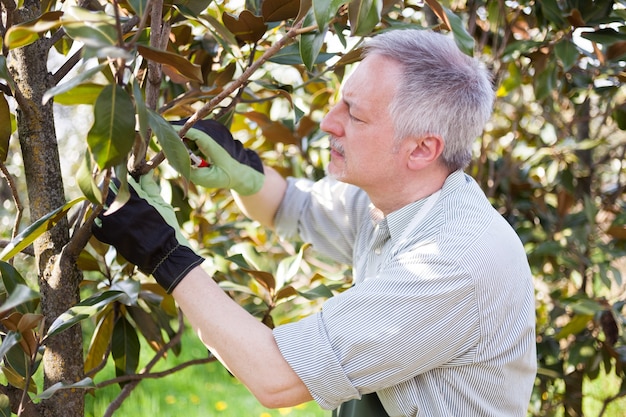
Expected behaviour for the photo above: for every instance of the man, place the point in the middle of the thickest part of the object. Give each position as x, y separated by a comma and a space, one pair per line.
440, 320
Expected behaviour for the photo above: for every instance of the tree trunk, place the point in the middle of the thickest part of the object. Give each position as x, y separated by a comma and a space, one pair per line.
58, 276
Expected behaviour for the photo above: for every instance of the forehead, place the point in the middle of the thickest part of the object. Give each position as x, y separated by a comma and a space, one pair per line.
374, 81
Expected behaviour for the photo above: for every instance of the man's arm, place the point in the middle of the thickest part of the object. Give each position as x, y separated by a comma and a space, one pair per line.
242, 343
263, 205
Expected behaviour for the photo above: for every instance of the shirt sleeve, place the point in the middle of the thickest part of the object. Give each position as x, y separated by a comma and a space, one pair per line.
326, 213
416, 315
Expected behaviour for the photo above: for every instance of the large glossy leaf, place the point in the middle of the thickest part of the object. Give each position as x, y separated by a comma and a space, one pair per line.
364, 15
113, 133
311, 43
325, 10
9, 340
176, 63
99, 345
86, 93
83, 310
4, 73
147, 326
36, 229
26, 33
125, 347
246, 27
5, 128
173, 147
278, 10
94, 29
289, 267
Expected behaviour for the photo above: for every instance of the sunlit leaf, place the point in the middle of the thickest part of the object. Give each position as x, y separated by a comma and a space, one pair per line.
36, 229
364, 15
86, 93
17, 380
113, 133
93, 34
26, 33
125, 347
99, 345
73, 83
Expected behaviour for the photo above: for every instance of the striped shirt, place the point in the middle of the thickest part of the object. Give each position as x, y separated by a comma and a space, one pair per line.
441, 319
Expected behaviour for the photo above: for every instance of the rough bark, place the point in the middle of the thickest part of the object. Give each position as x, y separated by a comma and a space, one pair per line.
58, 275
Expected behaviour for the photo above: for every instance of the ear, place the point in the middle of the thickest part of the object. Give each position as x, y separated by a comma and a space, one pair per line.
424, 151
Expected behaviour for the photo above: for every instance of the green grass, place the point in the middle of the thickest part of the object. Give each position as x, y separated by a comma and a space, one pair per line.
200, 390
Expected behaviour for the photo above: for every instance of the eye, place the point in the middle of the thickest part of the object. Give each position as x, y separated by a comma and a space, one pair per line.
354, 119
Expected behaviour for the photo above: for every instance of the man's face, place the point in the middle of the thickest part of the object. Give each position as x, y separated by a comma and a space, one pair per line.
360, 126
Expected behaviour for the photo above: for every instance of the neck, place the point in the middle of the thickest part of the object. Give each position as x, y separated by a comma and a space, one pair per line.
394, 197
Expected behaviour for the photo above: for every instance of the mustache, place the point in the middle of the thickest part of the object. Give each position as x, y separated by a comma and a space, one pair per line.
335, 144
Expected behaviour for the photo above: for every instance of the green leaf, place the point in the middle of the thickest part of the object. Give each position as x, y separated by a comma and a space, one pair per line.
289, 267
113, 133
4, 73
5, 406
10, 339
321, 291
5, 128
26, 33
577, 324
364, 15
125, 347
311, 43
85, 383
82, 94
545, 82
94, 29
173, 147
73, 83
325, 10
99, 345
86, 182
139, 6
177, 63
606, 36
567, 52
142, 111
290, 55
21, 294
463, 39
36, 229
83, 310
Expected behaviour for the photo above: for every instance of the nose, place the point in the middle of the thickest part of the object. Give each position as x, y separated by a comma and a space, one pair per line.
331, 123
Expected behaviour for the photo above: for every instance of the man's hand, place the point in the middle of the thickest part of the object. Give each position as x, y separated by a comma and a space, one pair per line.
144, 230
230, 164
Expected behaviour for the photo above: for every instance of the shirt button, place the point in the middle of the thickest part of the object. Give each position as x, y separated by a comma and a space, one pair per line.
377, 251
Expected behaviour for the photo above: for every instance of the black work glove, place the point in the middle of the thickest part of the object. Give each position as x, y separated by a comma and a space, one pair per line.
144, 230
228, 163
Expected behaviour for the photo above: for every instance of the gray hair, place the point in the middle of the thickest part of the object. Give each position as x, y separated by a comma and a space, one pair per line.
442, 91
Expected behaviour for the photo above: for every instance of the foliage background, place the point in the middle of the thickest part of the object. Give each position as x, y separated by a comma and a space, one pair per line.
551, 160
